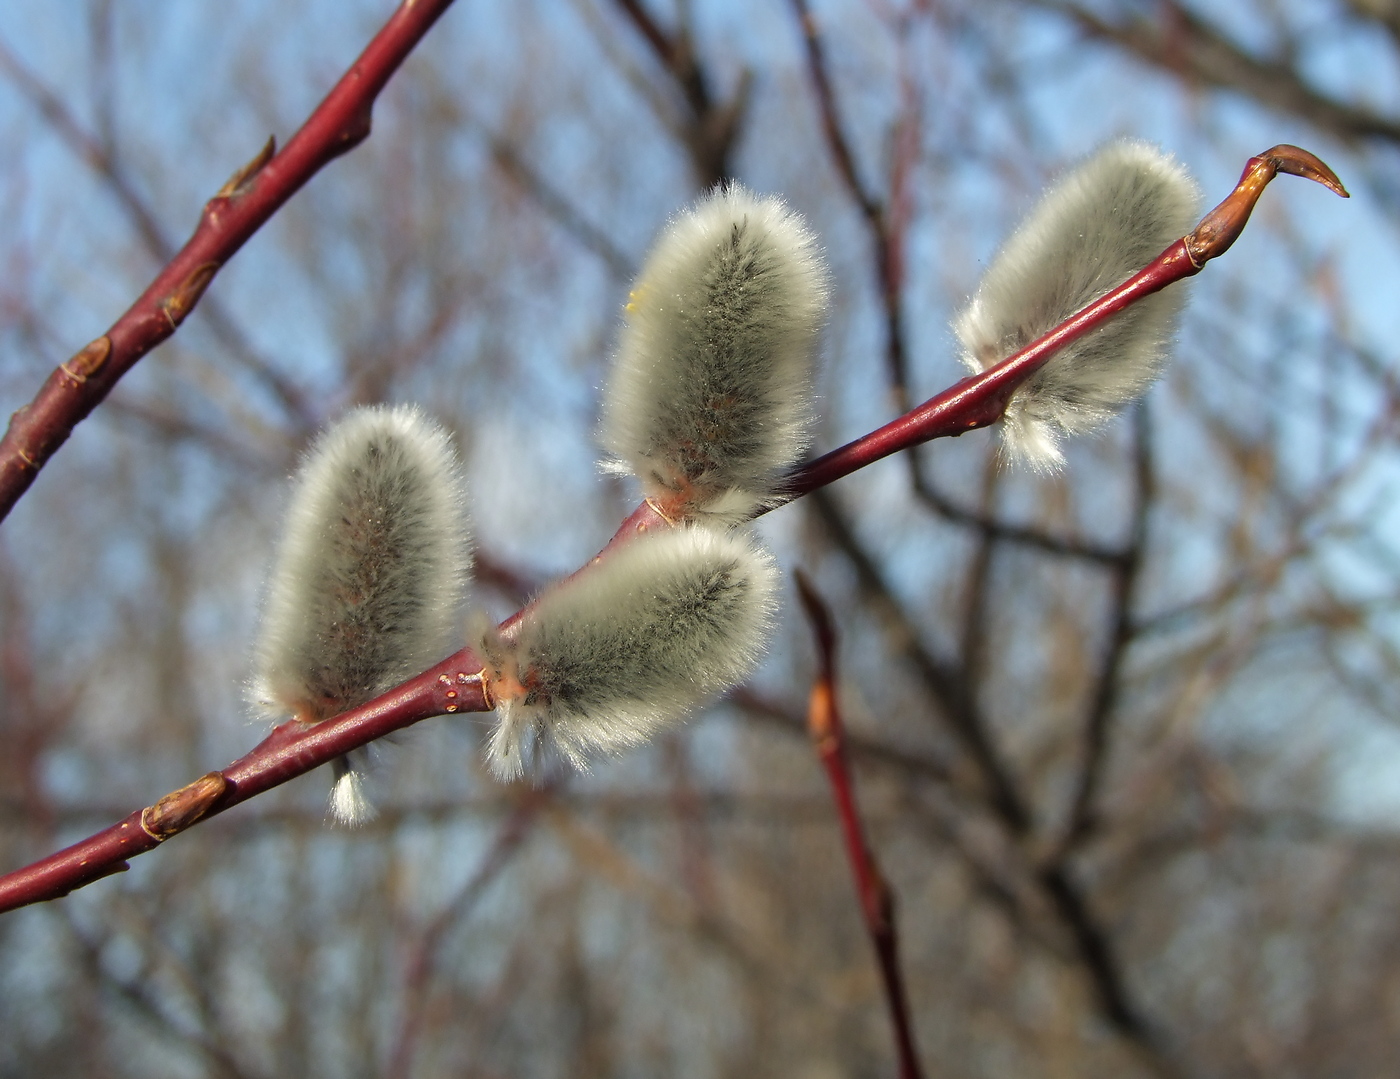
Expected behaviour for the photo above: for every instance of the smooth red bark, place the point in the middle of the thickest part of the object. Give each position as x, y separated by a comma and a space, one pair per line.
242, 206
828, 733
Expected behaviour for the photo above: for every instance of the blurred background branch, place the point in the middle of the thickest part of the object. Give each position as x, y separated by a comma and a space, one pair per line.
1125, 739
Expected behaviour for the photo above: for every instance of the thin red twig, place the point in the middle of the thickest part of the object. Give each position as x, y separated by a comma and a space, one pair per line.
876, 900
242, 206
293, 749
454, 686
980, 400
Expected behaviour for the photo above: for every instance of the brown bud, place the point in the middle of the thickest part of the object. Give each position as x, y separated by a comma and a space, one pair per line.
184, 807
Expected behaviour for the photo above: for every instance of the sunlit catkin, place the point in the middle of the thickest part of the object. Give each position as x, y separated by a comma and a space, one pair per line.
1098, 225
604, 659
710, 394
369, 578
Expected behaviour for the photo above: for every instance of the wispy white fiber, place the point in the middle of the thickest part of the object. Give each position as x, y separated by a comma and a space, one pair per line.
710, 394
369, 577
350, 802
605, 659
1096, 227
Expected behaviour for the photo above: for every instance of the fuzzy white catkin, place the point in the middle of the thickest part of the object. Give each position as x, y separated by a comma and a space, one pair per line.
1097, 226
369, 578
709, 399
603, 660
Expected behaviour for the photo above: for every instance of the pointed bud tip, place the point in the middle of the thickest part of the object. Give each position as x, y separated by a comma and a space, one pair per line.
1295, 161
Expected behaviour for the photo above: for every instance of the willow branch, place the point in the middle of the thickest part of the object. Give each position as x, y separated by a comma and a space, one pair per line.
291, 750
828, 734
254, 193
994, 529
711, 127
980, 400
455, 684
1190, 47
99, 152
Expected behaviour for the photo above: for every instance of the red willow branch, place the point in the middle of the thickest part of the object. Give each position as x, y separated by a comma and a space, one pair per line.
828, 734
100, 154
254, 193
981, 399
455, 684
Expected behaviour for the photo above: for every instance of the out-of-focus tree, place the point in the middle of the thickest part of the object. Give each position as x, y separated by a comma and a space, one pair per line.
1123, 737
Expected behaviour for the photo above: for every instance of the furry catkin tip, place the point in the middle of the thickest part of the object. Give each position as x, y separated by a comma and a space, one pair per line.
1097, 226
370, 573
709, 399
350, 803
605, 659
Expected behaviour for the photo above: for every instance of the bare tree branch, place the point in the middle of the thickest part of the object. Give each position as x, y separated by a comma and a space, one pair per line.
456, 684
245, 203
877, 902
1182, 42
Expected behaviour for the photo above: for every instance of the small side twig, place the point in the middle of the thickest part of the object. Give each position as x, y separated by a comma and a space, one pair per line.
1069, 547
710, 129
876, 900
1123, 582
230, 218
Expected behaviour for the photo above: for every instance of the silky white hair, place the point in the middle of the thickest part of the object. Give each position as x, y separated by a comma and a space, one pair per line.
709, 399
1097, 226
603, 660
369, 577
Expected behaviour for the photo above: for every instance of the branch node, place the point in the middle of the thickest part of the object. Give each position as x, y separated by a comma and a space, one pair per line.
481, 679
656, 508
357, 128
239, 182
88, 360
184, 807
181, 302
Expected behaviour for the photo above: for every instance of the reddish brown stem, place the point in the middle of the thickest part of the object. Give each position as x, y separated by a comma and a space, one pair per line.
291, 750
981, 399
241, 207
876, 900
294, 749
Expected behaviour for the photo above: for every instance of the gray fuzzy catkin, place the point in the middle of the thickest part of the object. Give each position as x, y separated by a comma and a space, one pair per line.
1097, 226
603, 660
369, 578
709, 399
